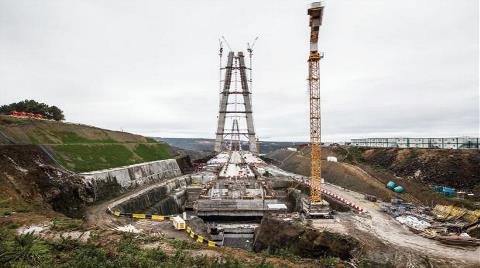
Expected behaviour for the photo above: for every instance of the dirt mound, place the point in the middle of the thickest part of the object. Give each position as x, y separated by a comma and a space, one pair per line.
454, 168
367, 170
276, 234
28, 176
342, 174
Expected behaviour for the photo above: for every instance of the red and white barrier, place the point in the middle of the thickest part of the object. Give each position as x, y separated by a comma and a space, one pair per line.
352, 205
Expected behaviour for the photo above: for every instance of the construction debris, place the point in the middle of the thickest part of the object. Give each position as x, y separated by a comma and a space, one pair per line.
447, 224
413, 222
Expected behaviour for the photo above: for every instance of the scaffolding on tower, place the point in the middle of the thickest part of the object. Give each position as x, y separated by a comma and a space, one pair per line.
235, 84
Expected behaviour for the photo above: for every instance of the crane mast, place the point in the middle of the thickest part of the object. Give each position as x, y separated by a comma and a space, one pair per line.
316, 13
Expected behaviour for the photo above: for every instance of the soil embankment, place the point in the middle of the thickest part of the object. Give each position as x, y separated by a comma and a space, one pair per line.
30, 180
83, 148
367, 170
454, 168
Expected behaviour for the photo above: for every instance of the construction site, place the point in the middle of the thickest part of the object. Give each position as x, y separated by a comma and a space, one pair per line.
309, 206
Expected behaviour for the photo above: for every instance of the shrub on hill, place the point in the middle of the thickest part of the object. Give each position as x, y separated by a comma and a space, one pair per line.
32, 106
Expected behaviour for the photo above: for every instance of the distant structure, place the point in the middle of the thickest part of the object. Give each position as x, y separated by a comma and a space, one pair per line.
235, 143
428, 143
231, 108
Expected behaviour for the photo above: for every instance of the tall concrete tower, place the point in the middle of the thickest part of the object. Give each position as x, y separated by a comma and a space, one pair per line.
229, 106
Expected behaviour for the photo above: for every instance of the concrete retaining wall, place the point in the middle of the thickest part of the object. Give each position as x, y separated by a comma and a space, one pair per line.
113, 182
164, 199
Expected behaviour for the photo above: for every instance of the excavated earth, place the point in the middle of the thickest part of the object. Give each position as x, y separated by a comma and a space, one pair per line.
276, 234
455, 168
419, 169
28, 175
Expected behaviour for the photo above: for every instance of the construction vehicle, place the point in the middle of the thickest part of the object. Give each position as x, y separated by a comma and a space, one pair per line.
315, 206
178, 223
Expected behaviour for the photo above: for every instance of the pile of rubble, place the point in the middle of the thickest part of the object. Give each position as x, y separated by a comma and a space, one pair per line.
447, 224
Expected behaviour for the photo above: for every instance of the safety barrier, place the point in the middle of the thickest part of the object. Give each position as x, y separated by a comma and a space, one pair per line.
352, 205
192, 234
344, 201
200, 238
143, 216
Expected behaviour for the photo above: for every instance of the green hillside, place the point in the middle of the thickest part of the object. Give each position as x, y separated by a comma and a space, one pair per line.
83, 148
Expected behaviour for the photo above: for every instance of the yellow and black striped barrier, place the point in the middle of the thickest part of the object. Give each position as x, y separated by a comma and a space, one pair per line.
193, 235
143, 216
200, 238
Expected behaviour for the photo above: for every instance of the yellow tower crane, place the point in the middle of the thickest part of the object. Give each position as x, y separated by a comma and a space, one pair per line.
315, 207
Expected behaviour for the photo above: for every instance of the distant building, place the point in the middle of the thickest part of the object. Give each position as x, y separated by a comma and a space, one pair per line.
429, 143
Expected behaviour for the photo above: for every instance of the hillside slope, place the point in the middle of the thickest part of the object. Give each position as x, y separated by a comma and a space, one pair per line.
367, 170
83, 148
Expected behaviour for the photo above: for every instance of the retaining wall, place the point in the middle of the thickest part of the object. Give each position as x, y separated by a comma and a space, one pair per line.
164, 199
109, 183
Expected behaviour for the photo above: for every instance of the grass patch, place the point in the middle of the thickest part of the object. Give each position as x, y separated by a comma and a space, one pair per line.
43, 136
82, 158
152, 152
8, 120
151, 140
88, 157
32, 139
68, 137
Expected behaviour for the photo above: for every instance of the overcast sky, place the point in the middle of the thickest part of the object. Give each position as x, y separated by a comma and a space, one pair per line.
391, 68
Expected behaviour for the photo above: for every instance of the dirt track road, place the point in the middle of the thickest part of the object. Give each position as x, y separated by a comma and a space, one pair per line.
388, 230
97, 216
392, 232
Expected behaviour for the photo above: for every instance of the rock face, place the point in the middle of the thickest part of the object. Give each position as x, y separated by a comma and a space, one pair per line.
27, 174
275, 234
112, 182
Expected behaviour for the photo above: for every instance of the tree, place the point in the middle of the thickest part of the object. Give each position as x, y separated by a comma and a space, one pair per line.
32, 106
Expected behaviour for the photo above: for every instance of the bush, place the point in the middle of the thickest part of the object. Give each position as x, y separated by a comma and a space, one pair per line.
25, 249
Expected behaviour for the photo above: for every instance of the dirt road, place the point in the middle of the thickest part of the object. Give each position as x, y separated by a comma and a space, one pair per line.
392, 232
386, 228
99, 217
